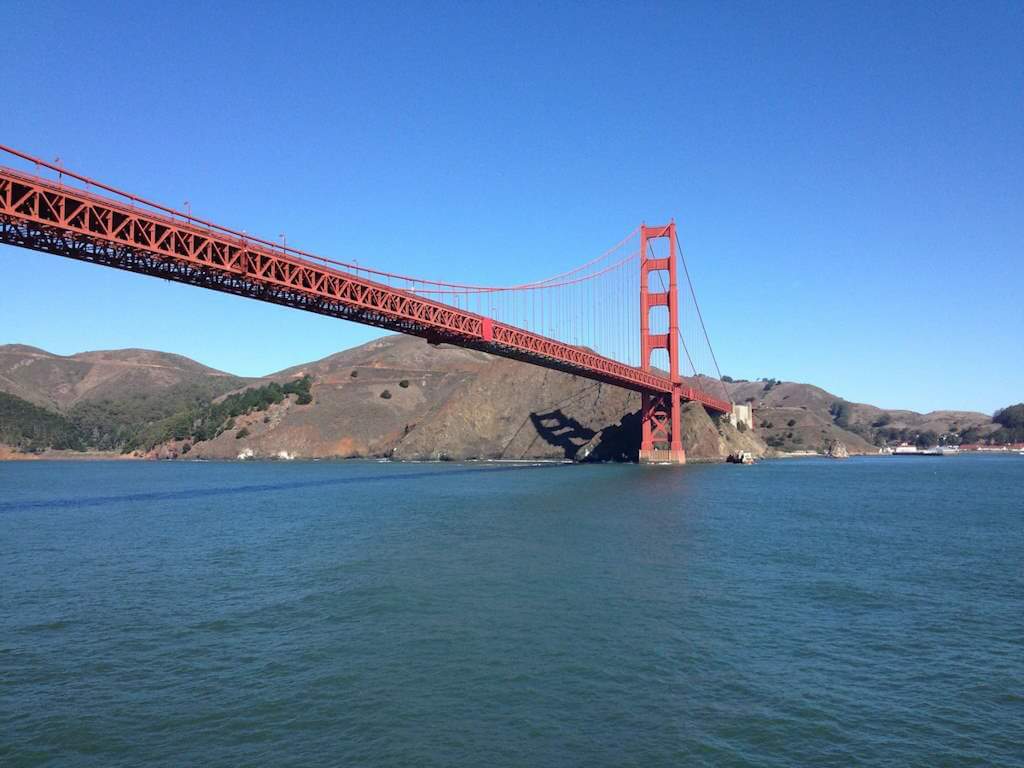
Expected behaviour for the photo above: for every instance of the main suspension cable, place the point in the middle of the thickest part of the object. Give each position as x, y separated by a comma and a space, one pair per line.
700, 316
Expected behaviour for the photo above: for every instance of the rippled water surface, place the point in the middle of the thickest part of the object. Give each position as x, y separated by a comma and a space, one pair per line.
807, 612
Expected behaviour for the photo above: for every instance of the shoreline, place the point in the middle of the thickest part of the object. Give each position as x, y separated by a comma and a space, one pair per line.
7, 454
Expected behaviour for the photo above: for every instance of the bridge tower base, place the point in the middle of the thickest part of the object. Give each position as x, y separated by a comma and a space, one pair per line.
660, 414
660, 441
661, 456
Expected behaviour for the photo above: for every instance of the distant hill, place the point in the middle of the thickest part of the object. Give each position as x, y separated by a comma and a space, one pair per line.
109, 396
401, 397
791, 416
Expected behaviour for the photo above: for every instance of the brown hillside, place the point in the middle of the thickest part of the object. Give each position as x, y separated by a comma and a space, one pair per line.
456, 404
814, 426
59, 382
399, 396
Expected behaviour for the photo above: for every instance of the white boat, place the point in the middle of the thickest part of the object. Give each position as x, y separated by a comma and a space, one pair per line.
741, 457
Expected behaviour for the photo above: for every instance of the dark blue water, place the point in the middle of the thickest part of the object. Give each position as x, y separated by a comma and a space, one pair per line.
807, 612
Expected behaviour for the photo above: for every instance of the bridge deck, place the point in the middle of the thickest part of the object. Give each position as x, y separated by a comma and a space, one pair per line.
43, 215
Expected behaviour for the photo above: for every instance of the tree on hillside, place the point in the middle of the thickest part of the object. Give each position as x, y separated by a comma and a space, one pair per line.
204, 421
29, 428
1011, 417
840, 411
1011, 425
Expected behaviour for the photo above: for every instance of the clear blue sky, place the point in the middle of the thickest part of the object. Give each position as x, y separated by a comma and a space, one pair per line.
848, 177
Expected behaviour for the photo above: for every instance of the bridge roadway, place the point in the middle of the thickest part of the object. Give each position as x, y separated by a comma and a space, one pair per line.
44, 215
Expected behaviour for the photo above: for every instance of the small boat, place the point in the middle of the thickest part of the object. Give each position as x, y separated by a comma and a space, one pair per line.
740, 457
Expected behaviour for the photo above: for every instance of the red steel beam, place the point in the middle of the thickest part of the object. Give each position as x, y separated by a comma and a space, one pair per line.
42, 215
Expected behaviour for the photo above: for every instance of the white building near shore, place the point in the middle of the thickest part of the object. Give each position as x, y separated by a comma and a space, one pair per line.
742, 413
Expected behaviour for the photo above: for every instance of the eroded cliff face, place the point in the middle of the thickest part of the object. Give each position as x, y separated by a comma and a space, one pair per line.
402, 398
515, 411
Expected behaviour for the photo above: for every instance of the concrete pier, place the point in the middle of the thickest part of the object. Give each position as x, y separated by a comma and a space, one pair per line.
662, 456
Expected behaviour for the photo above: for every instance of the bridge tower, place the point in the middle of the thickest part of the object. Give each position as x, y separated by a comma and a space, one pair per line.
660, 414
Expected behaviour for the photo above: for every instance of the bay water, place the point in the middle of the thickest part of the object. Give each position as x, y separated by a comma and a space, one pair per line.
803, 612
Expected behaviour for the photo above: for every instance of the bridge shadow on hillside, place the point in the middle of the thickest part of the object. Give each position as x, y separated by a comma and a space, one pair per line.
562, 431
618, 442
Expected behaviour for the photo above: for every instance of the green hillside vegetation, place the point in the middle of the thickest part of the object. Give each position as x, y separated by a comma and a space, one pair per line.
119, 423
1011, 430
140, 421
29, 428
1011, 424
840, 411
208, 420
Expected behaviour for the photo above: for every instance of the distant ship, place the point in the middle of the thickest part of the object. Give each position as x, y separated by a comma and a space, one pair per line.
910, 450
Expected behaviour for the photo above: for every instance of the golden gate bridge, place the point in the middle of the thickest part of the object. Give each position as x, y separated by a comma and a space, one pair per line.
619, 318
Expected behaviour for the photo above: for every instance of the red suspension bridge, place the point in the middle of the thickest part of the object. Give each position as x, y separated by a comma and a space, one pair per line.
619, 318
